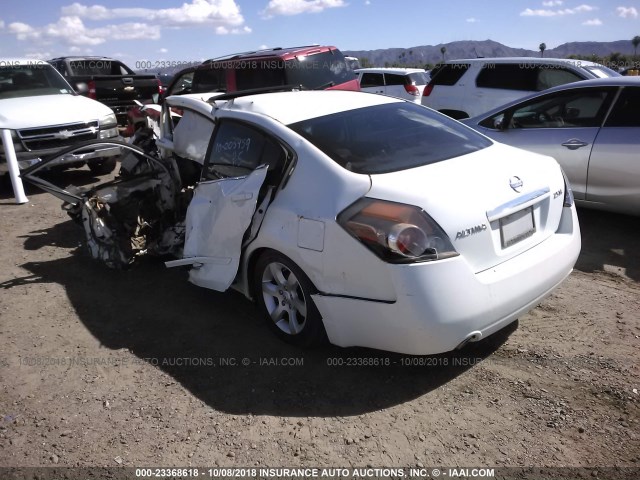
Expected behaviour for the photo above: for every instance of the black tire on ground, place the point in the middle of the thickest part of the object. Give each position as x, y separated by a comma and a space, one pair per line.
102, 167
283, 293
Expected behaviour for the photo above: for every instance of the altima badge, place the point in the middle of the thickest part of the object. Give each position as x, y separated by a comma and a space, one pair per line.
467, 232
516, 184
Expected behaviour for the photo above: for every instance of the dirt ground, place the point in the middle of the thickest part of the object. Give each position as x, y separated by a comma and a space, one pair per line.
102, 368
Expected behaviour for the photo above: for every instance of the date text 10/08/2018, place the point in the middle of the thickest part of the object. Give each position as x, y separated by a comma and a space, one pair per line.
303, 473
436, 361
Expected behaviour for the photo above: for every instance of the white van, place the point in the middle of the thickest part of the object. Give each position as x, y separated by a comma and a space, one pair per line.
466, 88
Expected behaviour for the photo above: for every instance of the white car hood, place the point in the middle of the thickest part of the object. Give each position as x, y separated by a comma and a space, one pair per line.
48, 110
460, 193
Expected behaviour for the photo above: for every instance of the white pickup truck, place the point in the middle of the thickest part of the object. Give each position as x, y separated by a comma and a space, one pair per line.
44, 116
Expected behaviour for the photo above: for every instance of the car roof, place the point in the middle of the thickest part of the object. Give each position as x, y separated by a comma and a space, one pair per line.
594, 82
284, 53
84, 57
390, 70
289, 107
541, 60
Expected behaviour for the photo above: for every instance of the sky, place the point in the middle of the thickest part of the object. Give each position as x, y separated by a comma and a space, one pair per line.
142, 32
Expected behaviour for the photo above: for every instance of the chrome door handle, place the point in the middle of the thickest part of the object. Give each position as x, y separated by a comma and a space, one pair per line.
574, 144
241, 197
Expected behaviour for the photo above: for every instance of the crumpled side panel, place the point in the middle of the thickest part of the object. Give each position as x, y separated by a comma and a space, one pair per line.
217, 219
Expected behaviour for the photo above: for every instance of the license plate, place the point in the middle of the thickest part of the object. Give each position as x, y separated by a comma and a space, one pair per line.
516, 227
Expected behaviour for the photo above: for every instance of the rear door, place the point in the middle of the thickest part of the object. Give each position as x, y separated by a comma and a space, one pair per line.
563, 125
499, 83
448, 89
243, 168
614, 168
395, 85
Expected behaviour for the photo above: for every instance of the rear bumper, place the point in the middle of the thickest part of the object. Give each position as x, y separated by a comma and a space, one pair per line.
441, 304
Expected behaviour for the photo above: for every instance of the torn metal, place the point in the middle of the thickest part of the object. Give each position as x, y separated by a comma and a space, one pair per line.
148, 210
140, 212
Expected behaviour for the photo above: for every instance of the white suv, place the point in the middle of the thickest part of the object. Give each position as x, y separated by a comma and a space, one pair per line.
407, 83
466, 88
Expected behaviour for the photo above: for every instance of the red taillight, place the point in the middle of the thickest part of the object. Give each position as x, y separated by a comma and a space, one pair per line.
395, 232
412, 90
161, 88
92, 90
408, 240
427, 90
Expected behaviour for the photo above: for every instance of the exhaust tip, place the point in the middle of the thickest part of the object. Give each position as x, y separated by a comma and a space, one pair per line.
472, 337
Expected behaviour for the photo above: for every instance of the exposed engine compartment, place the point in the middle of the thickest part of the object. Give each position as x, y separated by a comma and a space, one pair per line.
140, 212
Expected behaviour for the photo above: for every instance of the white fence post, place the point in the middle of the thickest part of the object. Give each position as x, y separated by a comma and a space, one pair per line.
14, 169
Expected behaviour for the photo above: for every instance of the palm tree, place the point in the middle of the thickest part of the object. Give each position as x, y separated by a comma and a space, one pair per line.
443, 50
542, 47
635, 41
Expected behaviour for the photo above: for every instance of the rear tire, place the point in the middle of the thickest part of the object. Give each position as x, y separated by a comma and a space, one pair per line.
103, 167
283, 293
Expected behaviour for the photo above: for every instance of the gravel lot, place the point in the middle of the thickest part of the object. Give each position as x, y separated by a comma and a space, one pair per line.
102, 368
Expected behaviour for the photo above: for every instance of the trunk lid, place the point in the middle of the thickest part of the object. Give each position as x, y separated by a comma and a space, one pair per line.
493, 204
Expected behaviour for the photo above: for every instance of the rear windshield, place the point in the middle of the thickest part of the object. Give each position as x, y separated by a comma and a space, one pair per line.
419, 78
96, 67
601, 71
31, 80
389, 138
448, 74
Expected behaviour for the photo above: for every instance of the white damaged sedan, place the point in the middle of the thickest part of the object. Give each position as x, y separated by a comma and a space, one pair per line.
364, 219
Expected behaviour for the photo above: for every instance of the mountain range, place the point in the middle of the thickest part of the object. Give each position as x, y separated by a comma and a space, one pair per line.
487, 48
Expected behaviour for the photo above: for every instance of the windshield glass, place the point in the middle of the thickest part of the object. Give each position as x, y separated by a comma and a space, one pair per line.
31, 80
316, 71
319, 70
98, 67
602, 72
390, 137
419, 78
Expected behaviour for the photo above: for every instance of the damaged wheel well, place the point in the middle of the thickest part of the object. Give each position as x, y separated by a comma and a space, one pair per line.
251, 267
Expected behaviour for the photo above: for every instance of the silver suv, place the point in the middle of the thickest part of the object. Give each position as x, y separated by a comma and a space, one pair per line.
466, 88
